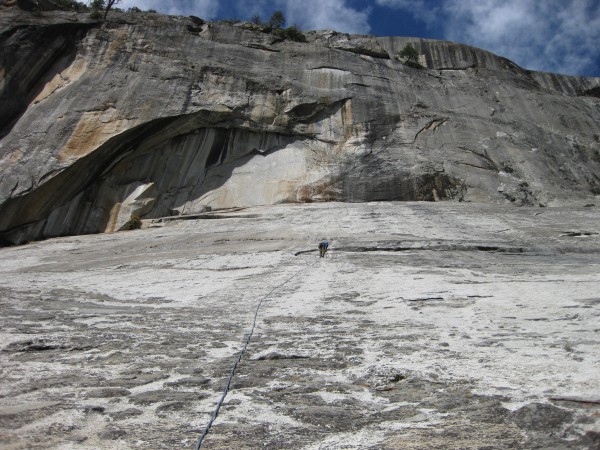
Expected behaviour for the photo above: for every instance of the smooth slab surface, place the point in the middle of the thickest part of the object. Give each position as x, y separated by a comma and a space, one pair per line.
427, 325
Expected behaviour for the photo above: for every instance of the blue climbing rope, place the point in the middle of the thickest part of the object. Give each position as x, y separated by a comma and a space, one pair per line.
240, 355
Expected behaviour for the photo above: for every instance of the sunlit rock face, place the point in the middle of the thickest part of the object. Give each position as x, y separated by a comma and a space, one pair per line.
156, 115
427, 325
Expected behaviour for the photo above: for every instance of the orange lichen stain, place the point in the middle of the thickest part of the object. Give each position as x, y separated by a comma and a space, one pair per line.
347, 119
320, 191
113, 218
11, 158
60, 80
93, 129
119, 41
52, 86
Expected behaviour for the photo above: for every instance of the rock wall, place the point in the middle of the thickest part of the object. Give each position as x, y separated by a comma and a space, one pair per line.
158, 115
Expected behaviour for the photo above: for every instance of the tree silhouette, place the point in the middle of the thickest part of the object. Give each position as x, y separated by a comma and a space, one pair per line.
411, 57
98, 5
109, 4
277, 20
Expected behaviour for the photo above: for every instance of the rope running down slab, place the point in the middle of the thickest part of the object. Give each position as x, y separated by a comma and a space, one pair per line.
240, 355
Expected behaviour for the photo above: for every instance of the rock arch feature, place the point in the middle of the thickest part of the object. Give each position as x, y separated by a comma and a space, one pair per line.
143, 116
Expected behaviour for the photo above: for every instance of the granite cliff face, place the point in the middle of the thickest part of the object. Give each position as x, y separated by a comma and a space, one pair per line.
157, 115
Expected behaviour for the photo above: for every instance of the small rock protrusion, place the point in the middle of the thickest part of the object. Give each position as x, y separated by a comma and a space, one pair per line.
125, 414
112, 434
591, 440
541, 417
197, 20
108, 392
76, 438
93, 409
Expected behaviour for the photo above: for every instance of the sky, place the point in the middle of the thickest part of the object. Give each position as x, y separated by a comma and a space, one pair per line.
561, 36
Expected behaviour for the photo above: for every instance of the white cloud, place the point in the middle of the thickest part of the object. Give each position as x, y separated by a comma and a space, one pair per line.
327, 14
420, 9
553, 35
206, 9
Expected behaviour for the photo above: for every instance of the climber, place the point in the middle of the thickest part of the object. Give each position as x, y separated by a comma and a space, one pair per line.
323, 245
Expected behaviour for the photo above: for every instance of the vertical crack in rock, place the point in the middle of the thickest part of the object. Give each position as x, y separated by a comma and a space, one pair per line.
218, 152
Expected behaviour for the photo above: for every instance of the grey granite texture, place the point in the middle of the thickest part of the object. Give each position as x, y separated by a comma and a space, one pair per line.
427, 325
157, 115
